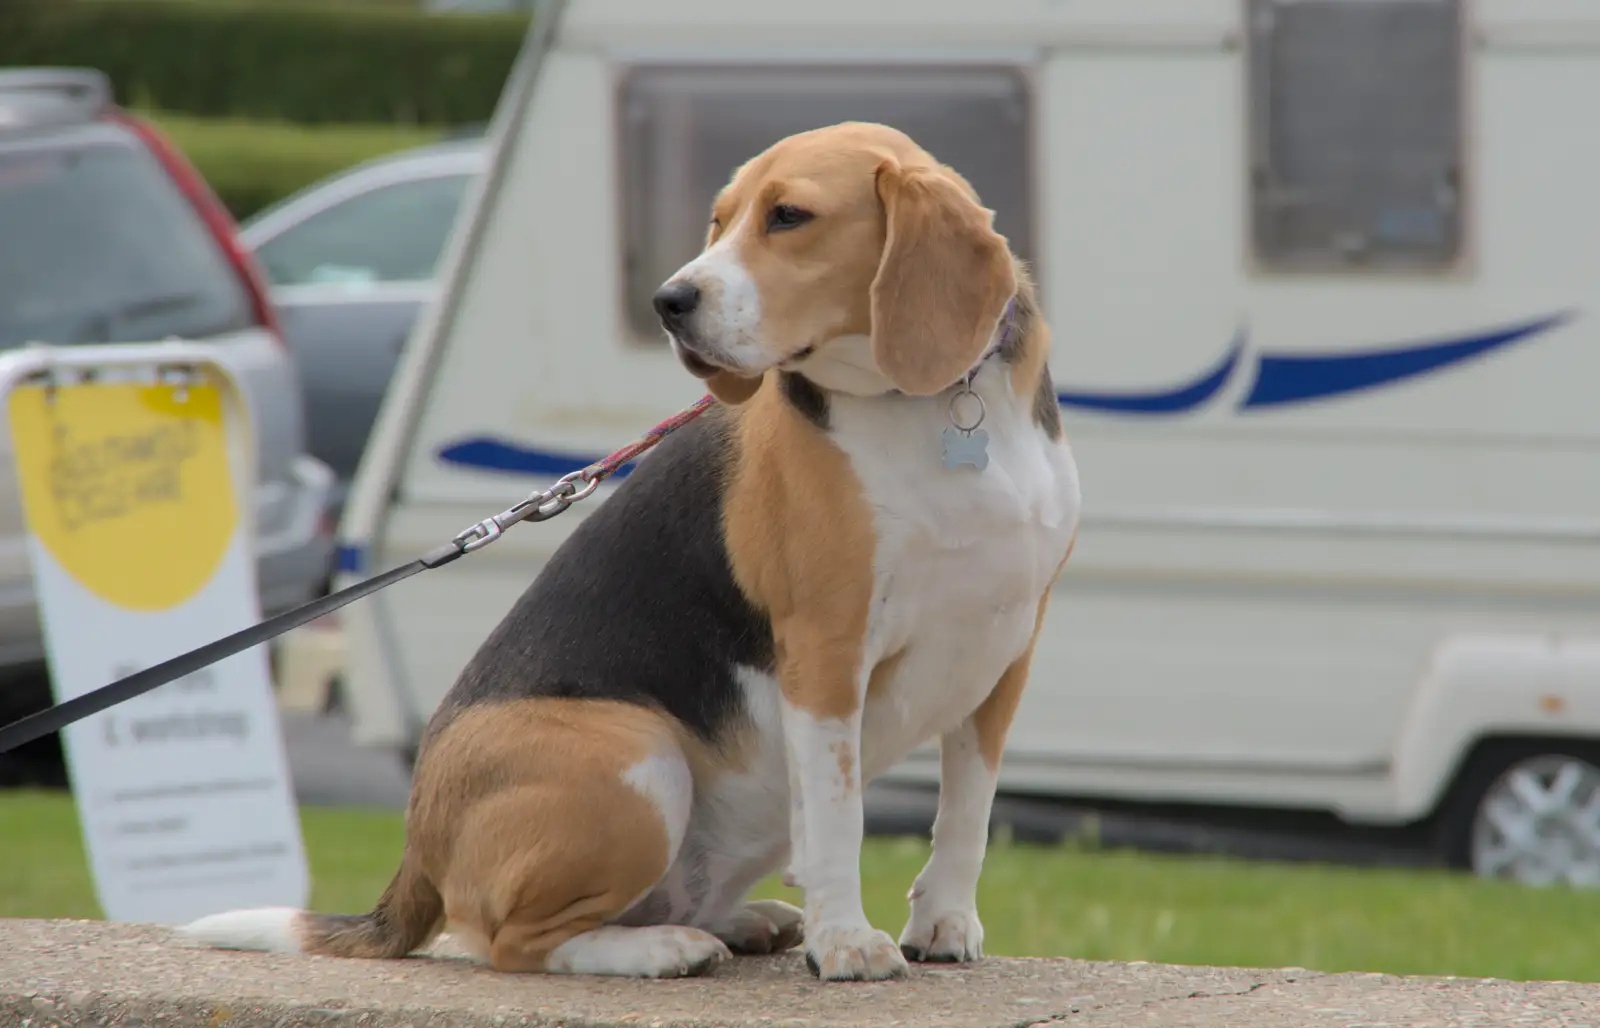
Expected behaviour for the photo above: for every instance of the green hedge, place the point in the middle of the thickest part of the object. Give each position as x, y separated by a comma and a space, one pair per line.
276, 61
253, 164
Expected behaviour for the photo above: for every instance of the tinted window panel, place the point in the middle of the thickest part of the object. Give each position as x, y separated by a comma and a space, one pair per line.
1356, 132
102, 247
684, 130
394, 233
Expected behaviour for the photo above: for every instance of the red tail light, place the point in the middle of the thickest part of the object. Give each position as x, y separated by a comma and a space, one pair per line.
216, 217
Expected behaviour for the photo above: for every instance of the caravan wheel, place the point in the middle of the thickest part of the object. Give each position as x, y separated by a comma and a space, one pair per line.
1532, 816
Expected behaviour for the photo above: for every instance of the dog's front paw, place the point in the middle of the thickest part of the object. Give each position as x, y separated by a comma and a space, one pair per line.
953, 937
853, 953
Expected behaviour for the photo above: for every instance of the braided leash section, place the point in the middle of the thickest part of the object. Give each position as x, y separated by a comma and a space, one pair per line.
602, 468
547, 503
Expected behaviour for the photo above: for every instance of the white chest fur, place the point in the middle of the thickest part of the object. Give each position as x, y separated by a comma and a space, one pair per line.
963, 556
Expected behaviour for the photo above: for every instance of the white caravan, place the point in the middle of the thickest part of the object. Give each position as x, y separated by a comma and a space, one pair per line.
1320, 274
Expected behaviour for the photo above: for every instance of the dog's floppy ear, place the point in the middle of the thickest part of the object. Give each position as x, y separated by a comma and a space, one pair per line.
943, 281
733, 389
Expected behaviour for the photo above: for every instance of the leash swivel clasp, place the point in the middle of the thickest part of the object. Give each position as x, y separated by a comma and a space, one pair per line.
539, 506
479, 535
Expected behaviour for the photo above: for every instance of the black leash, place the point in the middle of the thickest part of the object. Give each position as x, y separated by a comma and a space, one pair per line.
540, 506
53, 719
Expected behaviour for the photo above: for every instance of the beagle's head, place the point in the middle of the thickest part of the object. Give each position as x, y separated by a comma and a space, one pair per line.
847, 249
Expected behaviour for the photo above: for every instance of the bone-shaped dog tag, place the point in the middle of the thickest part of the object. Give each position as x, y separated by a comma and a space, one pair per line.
969, 448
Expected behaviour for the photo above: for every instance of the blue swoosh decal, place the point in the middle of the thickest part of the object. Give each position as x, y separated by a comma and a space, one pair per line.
1167, 401
1280, 380
492, 454
1300, 378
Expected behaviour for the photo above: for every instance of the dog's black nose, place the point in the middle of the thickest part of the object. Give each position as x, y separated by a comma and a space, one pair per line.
676, 301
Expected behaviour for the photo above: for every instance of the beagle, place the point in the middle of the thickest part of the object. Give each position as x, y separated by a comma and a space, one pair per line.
788, 595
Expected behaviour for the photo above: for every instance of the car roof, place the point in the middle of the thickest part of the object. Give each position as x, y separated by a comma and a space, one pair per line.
39, 99
475, 144
451, 156
36, 139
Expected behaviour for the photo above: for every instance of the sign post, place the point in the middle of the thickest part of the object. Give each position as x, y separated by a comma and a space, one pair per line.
137, 486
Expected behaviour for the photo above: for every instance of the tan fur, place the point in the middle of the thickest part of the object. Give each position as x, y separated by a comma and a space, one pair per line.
943, 281
801, 541
409, 914
732, 389
814, 280
899, 248
993, 716
491, 826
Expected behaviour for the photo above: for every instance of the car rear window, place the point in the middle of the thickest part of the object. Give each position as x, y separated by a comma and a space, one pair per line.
100, 246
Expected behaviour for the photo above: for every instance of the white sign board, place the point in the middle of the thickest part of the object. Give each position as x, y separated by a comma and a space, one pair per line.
141, 550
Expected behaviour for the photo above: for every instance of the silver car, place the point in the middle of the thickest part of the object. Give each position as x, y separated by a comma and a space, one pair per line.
351, 262
110, 236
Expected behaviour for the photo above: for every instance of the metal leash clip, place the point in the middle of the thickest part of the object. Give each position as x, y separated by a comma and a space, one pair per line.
540, 506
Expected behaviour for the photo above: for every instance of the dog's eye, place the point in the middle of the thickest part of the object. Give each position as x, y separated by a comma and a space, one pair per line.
784, 216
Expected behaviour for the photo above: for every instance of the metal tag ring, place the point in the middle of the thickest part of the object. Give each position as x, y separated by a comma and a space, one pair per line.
983, 410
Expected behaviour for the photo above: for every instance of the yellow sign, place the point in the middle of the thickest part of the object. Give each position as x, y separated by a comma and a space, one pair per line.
127, 485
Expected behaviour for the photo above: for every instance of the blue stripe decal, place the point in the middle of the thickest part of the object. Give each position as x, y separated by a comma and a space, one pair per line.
1280, 380
491, 454
1301, 378
352, 560
1169, 401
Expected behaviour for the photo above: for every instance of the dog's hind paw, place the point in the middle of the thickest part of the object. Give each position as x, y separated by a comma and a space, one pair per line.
658, 951
763, 926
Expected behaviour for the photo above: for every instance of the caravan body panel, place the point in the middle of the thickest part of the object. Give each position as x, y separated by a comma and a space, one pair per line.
1301, 486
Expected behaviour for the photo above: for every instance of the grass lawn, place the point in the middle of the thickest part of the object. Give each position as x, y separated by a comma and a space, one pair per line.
1035, 901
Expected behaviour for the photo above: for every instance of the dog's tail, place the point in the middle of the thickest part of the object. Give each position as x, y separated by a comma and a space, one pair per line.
410, 914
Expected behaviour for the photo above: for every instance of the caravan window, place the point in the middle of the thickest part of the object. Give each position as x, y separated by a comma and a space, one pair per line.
683, 132
1356, 133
